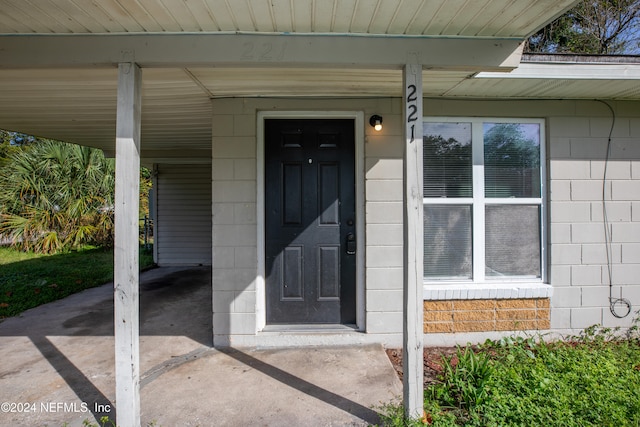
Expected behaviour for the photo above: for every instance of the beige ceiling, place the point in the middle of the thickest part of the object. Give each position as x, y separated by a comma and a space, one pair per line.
78, 104
486, 18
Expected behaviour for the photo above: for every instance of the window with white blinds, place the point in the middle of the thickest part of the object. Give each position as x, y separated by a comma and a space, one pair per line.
483, 199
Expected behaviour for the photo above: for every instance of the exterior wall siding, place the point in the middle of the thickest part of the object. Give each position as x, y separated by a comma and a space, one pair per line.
235, 226
576, 139
234, 263
183, 224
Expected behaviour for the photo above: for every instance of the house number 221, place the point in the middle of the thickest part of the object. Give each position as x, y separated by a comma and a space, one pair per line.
412, 109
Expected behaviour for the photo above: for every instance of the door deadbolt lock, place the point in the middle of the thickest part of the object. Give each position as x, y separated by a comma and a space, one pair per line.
351, 244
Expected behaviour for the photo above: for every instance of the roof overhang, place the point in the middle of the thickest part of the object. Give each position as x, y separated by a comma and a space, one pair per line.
569, 71
252, 50
64, 86
58, 61
560, 77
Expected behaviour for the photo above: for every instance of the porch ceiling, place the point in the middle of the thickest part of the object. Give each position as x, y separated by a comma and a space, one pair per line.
79, 105
485, 18
74, 98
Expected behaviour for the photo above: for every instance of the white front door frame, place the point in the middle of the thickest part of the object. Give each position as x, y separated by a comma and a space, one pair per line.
358, 117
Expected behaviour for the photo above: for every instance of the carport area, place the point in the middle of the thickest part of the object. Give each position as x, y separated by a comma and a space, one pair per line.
58, 366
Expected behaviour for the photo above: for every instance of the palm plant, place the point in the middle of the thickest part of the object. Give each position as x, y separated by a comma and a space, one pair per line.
56, 196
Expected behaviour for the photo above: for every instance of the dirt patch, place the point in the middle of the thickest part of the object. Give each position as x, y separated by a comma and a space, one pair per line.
432, 362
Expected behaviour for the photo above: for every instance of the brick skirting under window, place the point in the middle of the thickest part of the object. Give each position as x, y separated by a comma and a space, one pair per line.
483, 315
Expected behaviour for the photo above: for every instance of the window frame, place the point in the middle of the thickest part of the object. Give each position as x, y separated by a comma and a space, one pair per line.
478, 202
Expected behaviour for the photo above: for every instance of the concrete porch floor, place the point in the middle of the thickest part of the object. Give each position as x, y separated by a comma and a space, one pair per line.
57, 366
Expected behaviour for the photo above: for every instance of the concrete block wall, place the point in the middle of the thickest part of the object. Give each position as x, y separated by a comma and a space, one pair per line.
234, 221
577, 267
234, 180
581, 261
383, 215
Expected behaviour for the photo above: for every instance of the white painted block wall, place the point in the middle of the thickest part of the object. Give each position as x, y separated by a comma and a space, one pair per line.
235, 223
577, 135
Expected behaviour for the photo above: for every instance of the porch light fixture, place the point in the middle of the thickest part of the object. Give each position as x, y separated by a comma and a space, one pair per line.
376, 122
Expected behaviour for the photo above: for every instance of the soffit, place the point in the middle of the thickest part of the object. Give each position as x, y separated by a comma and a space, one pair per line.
473, 18
540, 88
79, 105
585, 77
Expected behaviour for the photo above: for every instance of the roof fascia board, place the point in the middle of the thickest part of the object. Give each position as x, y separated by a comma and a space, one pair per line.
278, 50
569, 72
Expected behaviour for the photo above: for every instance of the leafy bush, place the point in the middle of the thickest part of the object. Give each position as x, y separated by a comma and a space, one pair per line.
464, 383
56, 196
588, 380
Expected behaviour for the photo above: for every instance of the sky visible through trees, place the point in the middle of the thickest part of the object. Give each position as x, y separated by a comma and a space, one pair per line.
602, 27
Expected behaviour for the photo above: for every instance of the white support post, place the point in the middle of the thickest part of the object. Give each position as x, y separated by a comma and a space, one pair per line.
126, 270
413, 241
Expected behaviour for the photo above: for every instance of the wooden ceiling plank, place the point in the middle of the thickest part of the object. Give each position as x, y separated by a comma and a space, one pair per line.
457, 21
141, 15
221, 14
343, 13
426, 15
404, 16
364, 15
116, 19
182, 14
242, 13
83, 18
162, 16
263, 15
21, 15
472, 16
302, 16
323, 16
386, 10
282, 15
54, 19
203, 15
515, 16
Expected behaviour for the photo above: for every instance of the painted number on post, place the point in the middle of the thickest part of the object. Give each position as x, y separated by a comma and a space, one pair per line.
412, 109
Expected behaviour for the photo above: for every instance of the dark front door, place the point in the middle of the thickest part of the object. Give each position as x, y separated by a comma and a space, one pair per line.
310, 221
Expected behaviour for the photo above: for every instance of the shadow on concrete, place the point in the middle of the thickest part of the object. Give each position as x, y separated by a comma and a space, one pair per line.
173, 302
75, 379
333, 399
66, 349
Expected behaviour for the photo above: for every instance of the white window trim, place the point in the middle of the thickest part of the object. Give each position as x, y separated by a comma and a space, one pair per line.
499, 290
495, 288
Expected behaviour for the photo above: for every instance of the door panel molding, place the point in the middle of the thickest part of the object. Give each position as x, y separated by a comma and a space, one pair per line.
358, 117
327, 174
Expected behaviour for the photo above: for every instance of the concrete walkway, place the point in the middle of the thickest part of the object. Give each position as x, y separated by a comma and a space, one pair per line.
57, 366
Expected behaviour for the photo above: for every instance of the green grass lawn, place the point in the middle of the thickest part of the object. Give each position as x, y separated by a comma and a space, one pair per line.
28, 280
589, 380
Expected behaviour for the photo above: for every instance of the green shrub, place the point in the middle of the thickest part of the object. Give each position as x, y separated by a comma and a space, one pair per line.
588, 380
593, 381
